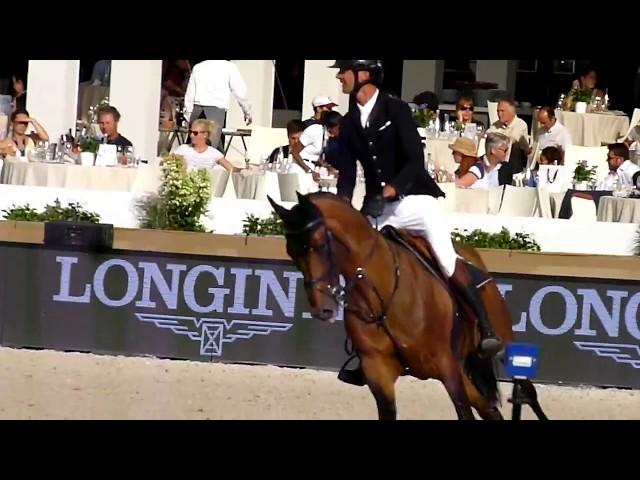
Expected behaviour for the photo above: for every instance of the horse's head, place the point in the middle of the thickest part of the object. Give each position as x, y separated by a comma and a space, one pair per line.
311, 246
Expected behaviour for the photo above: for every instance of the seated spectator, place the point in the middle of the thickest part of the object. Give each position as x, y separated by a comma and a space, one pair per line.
320, 105
553, 132
492, 170
427, 101
622, 171
19, 95
199, 154
549, 156
294, 130
464, 110
108, 118
516, 129
587, 80
310, 147
464, 154
19, 141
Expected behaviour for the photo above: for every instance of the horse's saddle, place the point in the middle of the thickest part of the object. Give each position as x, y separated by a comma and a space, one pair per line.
421, 248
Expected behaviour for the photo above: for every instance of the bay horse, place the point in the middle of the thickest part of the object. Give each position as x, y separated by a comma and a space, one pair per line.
400, 317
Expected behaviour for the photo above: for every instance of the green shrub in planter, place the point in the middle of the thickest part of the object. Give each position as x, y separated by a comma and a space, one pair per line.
73, 212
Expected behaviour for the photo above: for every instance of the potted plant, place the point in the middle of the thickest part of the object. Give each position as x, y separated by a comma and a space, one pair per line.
88, 149
581, 98
422, 116
584, 177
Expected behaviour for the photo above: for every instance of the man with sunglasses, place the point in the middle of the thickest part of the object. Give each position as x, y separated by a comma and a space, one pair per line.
622, 171
19, 141
379, 132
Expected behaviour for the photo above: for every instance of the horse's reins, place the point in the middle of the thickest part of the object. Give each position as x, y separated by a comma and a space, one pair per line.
337, 292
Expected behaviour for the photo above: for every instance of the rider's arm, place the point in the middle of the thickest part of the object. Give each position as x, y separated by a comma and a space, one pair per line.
409, 140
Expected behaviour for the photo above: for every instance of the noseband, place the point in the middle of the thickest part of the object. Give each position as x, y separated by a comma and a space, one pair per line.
339, 293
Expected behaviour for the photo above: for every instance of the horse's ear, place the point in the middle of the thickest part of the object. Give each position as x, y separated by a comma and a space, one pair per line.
281, 211
301, 198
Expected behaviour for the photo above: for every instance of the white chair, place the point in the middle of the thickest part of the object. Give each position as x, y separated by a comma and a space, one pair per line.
595, 156
263, 141
519, 202
289, 184
492, 110
544, 203
496, 195
635, 119
584, 210
219, 178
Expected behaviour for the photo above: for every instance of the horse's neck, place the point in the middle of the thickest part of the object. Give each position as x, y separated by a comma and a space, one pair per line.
363, 241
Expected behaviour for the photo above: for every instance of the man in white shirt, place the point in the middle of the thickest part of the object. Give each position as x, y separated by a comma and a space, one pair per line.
553, 133
511, 125
209, 93
621, 170
309, 148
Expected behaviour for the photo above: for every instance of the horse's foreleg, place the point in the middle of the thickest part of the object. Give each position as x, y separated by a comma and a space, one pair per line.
381, 374
482, 406
452, 378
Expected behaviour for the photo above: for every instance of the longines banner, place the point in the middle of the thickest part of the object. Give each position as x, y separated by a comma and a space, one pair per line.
254, 311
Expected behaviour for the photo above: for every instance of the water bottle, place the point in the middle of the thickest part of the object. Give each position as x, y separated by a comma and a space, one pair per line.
280, 161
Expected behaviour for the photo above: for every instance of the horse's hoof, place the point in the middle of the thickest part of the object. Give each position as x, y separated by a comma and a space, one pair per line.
490, 346
352, 377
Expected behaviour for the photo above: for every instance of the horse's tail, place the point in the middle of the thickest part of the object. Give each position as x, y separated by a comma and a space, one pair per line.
483, 375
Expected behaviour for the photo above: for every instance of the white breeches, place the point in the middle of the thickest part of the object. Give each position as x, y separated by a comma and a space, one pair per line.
421, 214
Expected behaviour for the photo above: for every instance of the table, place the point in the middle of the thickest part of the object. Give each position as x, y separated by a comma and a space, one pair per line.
593, 129
144, 178
256, 185
617, 209
227, 132
180, 134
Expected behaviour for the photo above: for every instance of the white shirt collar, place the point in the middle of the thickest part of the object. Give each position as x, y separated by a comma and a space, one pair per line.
365, 110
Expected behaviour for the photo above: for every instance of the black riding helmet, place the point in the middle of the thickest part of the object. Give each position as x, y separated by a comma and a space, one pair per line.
374, 67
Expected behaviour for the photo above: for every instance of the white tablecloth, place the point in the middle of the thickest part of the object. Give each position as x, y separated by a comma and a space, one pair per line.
622, 210
114, 179
591, 129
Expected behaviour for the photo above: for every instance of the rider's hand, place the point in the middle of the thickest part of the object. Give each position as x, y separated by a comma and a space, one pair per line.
389, 192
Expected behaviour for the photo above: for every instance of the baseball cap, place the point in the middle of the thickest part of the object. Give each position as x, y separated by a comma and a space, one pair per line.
323, 101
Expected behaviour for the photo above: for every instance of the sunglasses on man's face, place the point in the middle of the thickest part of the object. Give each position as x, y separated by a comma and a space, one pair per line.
467, 108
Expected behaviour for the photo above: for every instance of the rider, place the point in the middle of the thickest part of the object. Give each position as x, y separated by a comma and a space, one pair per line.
379, 131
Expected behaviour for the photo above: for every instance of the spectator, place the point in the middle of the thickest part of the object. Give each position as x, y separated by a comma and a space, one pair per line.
587, 80
19, 141
427, 101
622, 171
465, 154
516, 129
320, 105
553, 132
101, 74
108, 118
294, 130
551, 155
492, 170
199, 154
19, 96
333, 153
464, 109
209, 91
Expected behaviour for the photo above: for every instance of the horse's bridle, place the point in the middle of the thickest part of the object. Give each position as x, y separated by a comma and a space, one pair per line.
339, 293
